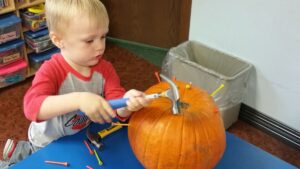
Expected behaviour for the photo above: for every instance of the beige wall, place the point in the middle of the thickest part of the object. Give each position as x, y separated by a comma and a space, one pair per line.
266, 34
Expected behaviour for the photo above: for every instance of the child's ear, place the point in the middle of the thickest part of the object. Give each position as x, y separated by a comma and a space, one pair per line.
56, 40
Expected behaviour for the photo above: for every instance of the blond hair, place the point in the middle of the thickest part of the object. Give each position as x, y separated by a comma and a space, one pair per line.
59, 13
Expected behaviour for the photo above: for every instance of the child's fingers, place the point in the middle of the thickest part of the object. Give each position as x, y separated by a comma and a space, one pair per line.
139, 94
101, 118
105, 116
136, 103
134, 93
144, 101
101, 115
97, 119
107, 110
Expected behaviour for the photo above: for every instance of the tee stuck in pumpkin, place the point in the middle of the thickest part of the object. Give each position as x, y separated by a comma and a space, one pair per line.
194, 138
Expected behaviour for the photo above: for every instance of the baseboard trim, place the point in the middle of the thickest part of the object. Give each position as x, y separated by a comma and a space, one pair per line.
152, 54
270, 125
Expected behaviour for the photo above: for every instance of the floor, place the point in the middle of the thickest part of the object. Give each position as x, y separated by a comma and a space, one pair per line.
136, 73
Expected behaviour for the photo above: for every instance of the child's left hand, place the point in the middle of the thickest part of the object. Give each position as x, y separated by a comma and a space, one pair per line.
136, 101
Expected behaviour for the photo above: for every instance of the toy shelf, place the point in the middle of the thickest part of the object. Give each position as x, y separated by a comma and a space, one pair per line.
28, 3
7, 6
16, 8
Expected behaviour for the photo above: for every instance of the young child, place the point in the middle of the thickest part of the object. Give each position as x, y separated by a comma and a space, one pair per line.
76, 79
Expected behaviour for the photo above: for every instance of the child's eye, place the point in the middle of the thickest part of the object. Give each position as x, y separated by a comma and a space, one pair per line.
89, 41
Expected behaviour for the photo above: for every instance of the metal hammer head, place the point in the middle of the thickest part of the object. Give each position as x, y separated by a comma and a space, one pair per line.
94, 138
172, 94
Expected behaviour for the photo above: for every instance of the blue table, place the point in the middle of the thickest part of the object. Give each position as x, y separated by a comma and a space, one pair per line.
117, 154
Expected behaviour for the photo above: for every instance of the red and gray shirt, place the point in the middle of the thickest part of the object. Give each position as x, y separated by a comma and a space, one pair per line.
57, 77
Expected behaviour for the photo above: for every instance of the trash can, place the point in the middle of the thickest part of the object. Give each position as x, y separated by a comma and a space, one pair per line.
209, 68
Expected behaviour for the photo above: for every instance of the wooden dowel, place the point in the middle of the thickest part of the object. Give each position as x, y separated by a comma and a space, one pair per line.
98, 158
57, 162
88, 147
119, 124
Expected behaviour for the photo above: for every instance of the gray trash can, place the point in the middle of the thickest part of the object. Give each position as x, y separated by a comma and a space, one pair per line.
208, 68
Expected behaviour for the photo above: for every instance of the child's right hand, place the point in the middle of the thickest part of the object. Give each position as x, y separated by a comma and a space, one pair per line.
96, 108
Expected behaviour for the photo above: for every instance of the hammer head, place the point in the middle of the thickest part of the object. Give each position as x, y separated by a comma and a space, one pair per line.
172, 94
94, 138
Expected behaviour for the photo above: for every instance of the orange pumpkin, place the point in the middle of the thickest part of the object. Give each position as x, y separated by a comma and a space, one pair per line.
194, 139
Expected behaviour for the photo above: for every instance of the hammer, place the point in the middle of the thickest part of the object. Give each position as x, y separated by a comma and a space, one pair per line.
95, 138
172, 93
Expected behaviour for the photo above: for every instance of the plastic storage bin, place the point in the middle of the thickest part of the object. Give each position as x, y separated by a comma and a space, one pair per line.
39, 41
11, 52
13, 73
209, 68
10, 27
34, 21
36, 60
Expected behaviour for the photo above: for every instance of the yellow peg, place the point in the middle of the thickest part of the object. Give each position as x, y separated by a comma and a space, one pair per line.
217, 90
188, 86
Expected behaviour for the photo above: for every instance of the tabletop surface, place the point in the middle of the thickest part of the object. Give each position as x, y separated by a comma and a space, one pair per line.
117, 154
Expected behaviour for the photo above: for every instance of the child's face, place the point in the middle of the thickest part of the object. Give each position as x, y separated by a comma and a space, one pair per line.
83, 42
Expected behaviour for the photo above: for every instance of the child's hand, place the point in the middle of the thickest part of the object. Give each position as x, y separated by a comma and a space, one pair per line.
96, 108
136, 101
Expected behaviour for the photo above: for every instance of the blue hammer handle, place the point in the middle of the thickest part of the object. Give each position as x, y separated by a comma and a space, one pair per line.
118, 103
115, 104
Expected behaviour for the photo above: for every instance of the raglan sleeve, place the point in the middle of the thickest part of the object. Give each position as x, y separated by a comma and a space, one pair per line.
112, 86
43, 85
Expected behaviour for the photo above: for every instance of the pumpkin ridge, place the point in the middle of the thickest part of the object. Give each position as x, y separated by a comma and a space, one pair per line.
202, 112
182, 129
161, 143
162, 164
219, 152
191, 101
208, 150
208, 143
186, 150
138, 127
197, 155
149, 134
